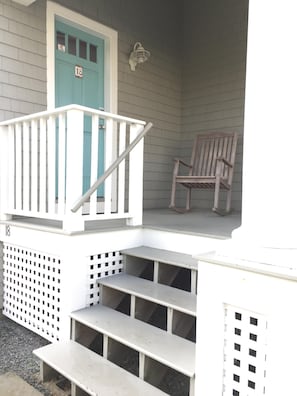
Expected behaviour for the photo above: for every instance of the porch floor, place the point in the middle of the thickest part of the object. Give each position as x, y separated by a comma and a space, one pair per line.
197, 221
201, 222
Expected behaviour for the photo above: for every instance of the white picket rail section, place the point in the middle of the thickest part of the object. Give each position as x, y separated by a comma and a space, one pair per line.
41, 167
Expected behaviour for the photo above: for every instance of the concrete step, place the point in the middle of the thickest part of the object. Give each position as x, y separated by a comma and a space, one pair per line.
176, 299
149, 341
89, 373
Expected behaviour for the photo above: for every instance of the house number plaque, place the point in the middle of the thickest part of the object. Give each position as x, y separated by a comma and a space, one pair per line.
78, 71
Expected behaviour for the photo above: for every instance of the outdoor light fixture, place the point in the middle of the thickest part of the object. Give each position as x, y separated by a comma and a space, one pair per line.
138, 55
25, 3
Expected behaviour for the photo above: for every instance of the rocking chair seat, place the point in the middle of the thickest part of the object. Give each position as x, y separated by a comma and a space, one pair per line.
211, 167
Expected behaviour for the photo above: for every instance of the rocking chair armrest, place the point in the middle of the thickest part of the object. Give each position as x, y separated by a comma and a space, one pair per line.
225, 161
179, 161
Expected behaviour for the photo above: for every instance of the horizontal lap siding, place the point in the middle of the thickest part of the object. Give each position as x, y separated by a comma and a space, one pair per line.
213, 81
22, 59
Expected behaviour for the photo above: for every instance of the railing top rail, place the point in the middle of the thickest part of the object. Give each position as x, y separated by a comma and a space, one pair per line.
64, 109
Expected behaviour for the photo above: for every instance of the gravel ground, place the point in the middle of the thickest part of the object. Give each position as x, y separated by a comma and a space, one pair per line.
16, 346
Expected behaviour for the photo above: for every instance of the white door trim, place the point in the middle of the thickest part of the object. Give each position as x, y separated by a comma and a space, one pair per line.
110, 37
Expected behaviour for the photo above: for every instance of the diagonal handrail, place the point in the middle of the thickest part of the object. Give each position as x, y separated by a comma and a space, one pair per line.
109, 170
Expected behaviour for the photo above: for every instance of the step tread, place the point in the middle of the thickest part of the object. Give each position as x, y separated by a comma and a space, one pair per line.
169, 349
81, 366
177, 299
165, 256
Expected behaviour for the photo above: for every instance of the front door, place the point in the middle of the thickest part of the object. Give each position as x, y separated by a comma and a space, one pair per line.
79, 79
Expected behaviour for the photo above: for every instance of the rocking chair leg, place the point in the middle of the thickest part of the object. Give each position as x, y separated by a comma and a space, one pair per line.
188, 201
228, 201
173, 191
216, 196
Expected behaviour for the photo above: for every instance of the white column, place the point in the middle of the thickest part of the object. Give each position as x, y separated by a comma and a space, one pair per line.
269, 204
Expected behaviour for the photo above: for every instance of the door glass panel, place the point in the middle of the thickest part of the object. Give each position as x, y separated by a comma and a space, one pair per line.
72, 45
61, 41
93, 53
82, 49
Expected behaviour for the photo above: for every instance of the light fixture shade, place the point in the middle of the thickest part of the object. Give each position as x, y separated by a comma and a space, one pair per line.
25, 3
138, 55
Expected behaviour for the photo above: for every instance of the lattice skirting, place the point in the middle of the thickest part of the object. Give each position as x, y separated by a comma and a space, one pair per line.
35, 285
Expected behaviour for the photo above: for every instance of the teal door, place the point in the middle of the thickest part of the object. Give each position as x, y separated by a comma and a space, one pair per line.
79, 79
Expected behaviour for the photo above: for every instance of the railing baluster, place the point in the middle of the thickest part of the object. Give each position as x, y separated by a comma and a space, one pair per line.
74, 168
42, 166
11, 198
51, 144
108, 161
121, 173
18, 167
135, 178
26, 167
94, 161
61, 164
34, 166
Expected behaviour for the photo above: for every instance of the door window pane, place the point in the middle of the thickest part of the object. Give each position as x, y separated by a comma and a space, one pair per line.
61, 41
82, 49
93, 53
72, 45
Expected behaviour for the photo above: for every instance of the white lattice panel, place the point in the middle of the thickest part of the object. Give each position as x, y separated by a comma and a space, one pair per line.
245, 344
100, 266
36, 284
32, 282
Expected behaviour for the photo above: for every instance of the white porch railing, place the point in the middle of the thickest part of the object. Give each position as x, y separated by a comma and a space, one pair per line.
42, 162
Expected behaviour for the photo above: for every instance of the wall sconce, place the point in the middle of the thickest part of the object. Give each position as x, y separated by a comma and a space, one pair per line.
138, 55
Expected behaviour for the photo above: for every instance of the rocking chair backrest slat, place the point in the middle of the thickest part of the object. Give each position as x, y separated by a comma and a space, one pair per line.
207, 148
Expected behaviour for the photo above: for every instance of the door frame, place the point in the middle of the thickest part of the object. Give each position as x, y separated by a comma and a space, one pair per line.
110, 37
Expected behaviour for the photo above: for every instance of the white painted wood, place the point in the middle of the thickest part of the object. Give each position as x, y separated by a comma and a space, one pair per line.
164, 256
51, 167
135, 178
42, 166
26, 167
108, 162
179, 300
18, 166
271, 81
171, 350
92, 373
74, 170
228, 282
34, 166
121, 173
94, 161
62, 162
33, 158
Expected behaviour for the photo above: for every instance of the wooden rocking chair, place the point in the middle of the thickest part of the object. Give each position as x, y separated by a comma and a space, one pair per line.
211, 167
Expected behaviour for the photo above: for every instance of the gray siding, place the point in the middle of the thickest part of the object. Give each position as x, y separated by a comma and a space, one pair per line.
213, 80
22, 59
194, 80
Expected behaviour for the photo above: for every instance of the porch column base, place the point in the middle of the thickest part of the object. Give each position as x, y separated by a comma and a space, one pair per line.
73, 223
